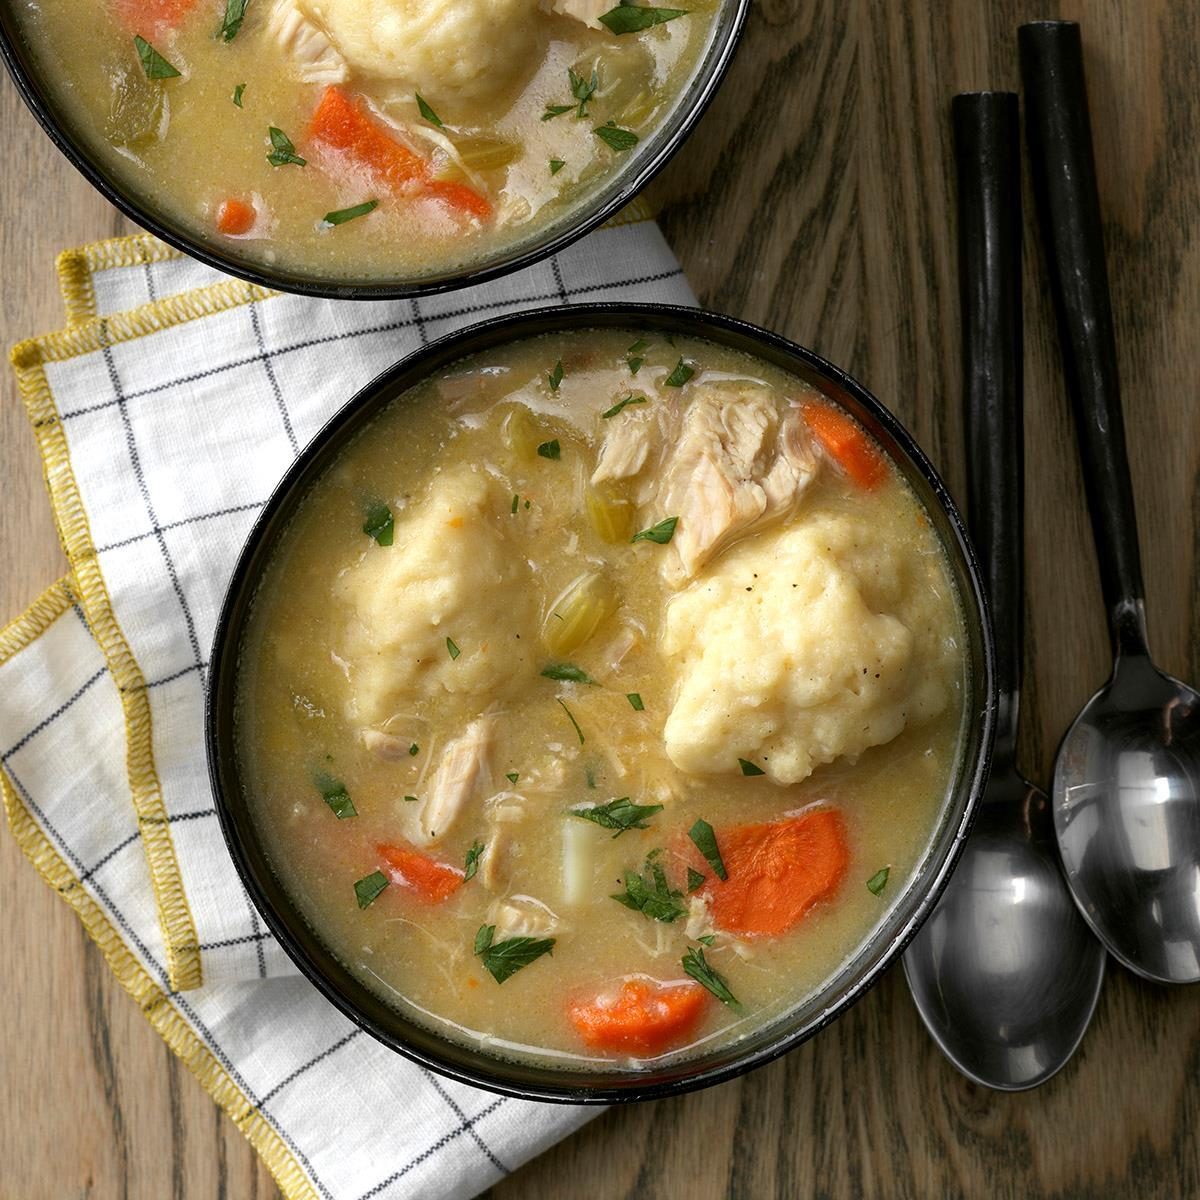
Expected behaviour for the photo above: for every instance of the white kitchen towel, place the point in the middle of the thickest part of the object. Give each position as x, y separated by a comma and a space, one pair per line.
165, 413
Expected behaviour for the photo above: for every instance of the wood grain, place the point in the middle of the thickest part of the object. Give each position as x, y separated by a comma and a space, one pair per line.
816, 198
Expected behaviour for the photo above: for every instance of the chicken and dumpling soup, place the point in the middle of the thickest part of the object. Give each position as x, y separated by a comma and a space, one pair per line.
368, 138
601, 696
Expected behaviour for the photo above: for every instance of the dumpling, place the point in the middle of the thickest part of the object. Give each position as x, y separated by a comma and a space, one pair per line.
802, 646
450, 573
445, 49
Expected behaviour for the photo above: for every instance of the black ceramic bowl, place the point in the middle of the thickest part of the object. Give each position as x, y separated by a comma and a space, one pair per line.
624, 184
461, 1062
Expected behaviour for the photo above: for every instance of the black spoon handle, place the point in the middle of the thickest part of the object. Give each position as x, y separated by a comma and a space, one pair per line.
1059, 133
987, 151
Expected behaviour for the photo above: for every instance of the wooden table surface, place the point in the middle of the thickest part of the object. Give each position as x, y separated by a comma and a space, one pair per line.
815, 198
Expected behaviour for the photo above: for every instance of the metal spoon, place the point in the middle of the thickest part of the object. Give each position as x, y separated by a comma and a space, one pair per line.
1004, 972
1127, 778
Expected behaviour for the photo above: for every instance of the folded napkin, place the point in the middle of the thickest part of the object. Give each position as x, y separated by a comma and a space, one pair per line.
165, 412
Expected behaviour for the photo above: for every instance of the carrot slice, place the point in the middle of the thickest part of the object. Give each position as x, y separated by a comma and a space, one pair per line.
343, 123
432, 880
152, 16
777, 872
644, 1016
235, 216
847, 444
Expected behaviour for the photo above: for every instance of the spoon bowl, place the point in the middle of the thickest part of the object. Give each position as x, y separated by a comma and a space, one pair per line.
1005, 973
1127, 814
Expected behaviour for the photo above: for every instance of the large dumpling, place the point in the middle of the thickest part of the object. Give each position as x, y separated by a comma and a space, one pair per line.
445, 49
805, 645
450, 573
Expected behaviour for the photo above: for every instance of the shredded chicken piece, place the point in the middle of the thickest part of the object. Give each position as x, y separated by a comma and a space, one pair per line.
505, 811
463, 765
628, 441
699, 921
628, 640
523, 916
587, 11
387, 746
313, 57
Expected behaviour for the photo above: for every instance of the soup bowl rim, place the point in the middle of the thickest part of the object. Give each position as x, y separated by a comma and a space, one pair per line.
478, 1067
626, 183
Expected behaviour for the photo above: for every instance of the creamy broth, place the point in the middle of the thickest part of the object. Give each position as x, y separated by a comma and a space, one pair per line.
366, 667
494, 152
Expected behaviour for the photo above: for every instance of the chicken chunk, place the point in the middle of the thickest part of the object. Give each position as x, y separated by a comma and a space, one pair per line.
523, 916
460, 773
506, 812
305, 45
587, 11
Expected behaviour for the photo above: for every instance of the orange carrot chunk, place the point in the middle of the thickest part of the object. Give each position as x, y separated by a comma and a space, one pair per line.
344, 124
152, 17
235, 216
847, 444
433, 881
777, 872
643, 1016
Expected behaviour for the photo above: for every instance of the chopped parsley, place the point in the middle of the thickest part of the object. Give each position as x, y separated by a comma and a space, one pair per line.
379, 524
635, 701
412, 799
556, 110
571, 718
237, 94
556, 376
512, 777
582, 89
633, 18
707, 938
619, 814
335, 795
235, 14
428, 112
694, 880
634, 357
283, 151
748, 768
516, 501
502, 959
556, 165
705, 840
878, 881
414, 749
695, 965
341, 215
474, 854
153, 63
369, 886
566, 672
452, 649
651, 895
660, 534
680, 375
623, 403
616, 138
551, 450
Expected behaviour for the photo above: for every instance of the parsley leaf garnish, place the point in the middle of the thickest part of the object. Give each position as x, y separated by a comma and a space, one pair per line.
705, 840
694, 880
695, 965
624, 402
336, 796
582, 89
878, 881
284, 151
551, 450
153, 63
556, 165
567, 672
341, 215
428, 112
556, 110
571, 718
680, 375
474, 854
651, 895
616, 138
235, 14
619, 814
379, 524
633, 18
748, 768
635, 701
237, 94
512, 777
414, 750
367, 888
502, 959
452, 649
660, 534
556, 376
